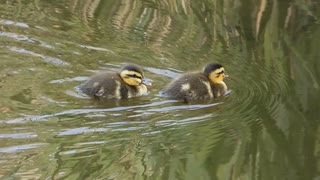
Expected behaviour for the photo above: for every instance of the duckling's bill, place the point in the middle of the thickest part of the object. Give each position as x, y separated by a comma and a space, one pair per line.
146, 82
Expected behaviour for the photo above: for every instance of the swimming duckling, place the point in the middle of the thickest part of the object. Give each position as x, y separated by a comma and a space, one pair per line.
127, 83
198, 85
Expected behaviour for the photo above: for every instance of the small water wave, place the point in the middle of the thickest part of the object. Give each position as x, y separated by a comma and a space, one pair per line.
164, 72
81, 111
183, 107
138, 109
196, 119
96, 48
22, 147
88, 146
77, 79
48, 59
18, 136
81, 130
19, 37
259, 84
13, 23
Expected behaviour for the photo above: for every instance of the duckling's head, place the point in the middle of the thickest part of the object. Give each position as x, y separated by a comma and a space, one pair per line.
132, 75
215, 72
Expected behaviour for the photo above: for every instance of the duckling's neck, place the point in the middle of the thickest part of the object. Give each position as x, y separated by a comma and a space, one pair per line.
137, 90
219, 88
224, 86
142, 90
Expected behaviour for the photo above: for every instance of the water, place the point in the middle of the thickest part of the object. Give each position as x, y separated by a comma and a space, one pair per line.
265, 128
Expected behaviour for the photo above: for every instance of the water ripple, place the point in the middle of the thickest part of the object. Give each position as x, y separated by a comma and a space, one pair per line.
19, 37
250, 91
81, 111
48, 59
96, 48
75, 79
12, 23
18, 135
81, 130
164, 72
23, 147
184, 107
166, 123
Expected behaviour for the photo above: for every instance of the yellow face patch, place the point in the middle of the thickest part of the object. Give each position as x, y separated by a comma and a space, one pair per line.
131, 78
217, 75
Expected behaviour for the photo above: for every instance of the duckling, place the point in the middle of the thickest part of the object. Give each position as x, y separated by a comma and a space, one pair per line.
127, 83
198, 85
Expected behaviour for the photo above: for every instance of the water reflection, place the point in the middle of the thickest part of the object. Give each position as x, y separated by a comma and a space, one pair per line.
266, 128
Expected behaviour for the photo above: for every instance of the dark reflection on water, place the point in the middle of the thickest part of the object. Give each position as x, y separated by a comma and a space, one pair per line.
265, 128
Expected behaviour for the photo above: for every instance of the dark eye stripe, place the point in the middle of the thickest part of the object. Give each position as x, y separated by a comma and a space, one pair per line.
134, 76
220, 72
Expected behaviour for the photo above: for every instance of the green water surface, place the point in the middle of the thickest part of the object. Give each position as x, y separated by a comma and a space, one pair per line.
267, 127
